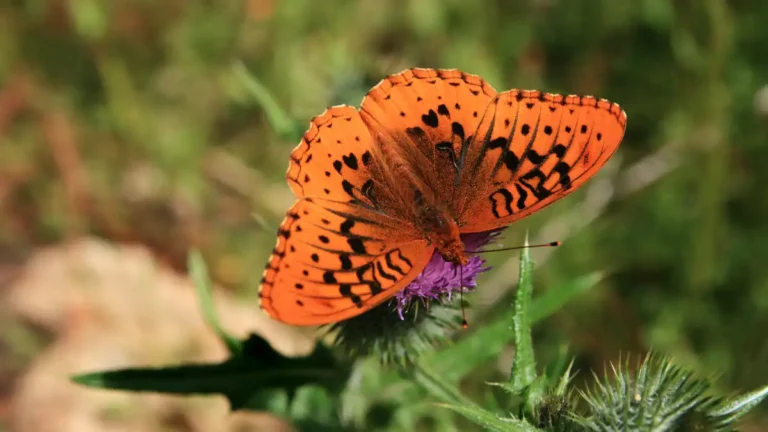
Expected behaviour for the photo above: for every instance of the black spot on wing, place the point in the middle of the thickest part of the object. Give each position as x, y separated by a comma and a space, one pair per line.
366, 158
511, 161
458, 129
559, 150
348, 188
430, 119
350, 161
329, 277
499, 142
346, 226
534, 156
346, 262
563, 168
357, 245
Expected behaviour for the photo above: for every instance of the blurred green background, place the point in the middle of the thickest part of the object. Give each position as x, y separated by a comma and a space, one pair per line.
169, 124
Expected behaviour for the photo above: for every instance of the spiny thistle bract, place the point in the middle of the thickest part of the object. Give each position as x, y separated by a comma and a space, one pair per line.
553, 412
421, 316
660, 396
381, 332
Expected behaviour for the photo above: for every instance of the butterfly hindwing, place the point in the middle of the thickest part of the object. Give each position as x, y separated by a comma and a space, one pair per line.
335, 260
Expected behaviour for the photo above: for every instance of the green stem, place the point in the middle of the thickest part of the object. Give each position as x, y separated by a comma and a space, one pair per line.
198, 272
280, 121
524, 367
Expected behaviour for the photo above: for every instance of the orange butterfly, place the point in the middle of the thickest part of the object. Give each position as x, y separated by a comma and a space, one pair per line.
430, 155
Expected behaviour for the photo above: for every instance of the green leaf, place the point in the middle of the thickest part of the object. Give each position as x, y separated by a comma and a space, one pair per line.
438, 387
280, 121
734, 408
447, 392
490, 421
314, 409
488, 341
553, 300
524, 366
198, 272
249, 381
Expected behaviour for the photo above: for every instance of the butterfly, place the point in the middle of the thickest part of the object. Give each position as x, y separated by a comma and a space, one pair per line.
431, 154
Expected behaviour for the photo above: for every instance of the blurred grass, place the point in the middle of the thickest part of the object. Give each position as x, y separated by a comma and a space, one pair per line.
131, 120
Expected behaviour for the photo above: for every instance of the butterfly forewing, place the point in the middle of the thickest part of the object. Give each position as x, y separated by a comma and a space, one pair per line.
332, 159
535, 148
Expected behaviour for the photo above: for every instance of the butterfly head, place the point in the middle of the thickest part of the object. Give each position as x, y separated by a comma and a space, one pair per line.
441, 229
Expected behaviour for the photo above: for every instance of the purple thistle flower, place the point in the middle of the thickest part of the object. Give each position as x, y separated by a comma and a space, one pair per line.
441, 278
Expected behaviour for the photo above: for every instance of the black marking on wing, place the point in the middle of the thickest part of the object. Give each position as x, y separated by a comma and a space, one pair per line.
350, 161
430, 119
393, 266
506, 149
384, 274
522, 195
356, 243
446, 147
507, 195
346, 291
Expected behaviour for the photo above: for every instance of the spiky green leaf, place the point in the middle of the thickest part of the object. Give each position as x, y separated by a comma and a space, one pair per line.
251, 381
490, 421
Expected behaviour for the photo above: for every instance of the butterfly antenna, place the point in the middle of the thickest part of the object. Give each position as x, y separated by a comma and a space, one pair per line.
551, 244
464, 323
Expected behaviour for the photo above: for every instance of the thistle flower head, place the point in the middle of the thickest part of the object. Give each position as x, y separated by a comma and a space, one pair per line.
441, 278
420, 316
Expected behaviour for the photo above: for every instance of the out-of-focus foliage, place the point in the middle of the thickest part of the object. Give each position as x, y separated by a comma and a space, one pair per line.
660, 396
132, 120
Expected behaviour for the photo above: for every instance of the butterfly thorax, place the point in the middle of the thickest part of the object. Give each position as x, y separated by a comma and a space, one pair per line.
441, 229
